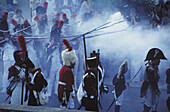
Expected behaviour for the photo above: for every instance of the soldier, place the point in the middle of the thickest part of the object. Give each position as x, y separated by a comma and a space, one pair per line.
133, 19
17, 27
4, 29
120, 84
66, 91
19, 74
37, 84
56, 30
66, 20
87, 15
41, 23
17, 77
91, 86
150, 90
57, 17
41, 18
18, 16
27, 32
41, 28
66, 28
52, 49
6, 49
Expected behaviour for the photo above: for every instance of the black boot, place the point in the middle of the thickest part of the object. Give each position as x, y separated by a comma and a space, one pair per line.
146, 108
154, 111
117, 108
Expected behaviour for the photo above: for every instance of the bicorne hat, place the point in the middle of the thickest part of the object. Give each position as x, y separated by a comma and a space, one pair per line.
155, 53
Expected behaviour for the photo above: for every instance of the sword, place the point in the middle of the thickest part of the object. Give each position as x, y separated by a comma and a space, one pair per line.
111, 105
134, 75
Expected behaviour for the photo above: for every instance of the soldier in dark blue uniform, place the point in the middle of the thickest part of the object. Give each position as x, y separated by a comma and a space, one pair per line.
92, 85
120, 84
150, 90
27, 32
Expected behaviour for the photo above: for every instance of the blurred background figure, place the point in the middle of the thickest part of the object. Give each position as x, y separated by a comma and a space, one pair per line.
133, 19
18, 16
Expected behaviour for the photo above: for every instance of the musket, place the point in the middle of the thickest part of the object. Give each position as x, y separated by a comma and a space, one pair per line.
91, 36
33, 37
66, 26
97, 29
85, 53
22, 93
111, 25
23, 29
2, 41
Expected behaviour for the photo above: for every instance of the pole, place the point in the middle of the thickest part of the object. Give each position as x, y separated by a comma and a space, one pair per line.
85, 53
22, 93
97, 80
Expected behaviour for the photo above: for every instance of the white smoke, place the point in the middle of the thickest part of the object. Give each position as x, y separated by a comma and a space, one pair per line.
133, 44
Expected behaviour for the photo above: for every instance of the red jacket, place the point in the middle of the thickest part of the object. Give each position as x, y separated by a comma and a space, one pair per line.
65, 76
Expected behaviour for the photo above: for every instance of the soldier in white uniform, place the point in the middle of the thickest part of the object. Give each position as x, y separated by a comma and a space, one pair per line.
17, 77
6, 49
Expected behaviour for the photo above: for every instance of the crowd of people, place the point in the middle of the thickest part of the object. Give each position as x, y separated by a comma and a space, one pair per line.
44, 33
160, 16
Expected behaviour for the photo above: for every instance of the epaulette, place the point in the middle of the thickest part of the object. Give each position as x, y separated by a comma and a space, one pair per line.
148, 66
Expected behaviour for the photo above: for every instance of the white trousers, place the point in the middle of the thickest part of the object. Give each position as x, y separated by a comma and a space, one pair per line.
17, 93
119, 100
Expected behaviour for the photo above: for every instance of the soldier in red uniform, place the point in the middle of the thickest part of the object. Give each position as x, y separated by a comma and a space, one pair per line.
66, 91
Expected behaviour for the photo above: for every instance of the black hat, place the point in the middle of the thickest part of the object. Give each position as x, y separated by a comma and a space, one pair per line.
17, 57
155, 53
93, 54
